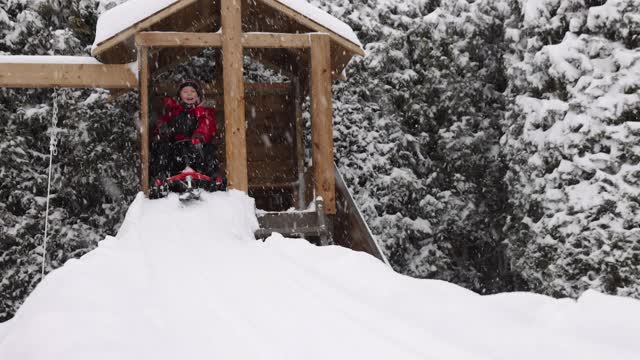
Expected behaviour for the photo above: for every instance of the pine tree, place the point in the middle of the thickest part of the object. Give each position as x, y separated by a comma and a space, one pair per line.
572, 146
94, 171
417, 132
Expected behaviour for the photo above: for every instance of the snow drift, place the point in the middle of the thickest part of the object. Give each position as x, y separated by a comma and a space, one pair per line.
192, 283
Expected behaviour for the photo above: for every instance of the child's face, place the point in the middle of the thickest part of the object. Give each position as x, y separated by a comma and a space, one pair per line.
189, 95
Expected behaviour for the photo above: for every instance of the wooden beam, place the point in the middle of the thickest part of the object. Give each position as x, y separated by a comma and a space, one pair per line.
275, 40
34, 75
195, 39
143, 71
178, 39
301, 19
297, 105
235, 132
142, 25
217, 84
322, 121
168, 57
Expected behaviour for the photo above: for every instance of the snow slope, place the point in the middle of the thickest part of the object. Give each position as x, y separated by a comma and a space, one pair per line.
192, 283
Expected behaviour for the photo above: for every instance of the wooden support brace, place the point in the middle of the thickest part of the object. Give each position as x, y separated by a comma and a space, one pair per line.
234, 120
143, 71
322, 121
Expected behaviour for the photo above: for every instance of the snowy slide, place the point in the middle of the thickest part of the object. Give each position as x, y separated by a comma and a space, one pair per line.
192, 283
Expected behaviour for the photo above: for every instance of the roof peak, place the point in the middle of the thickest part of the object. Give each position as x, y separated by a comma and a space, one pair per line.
120, 23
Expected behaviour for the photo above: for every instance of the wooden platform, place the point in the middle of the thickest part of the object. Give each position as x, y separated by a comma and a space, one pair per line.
297, 223
346, 228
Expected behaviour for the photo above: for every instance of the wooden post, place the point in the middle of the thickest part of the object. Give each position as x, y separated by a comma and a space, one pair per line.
297, 103
322, 121
218, 73
143, 81
234, 122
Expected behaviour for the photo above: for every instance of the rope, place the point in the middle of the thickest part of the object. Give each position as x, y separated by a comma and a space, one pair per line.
53, 150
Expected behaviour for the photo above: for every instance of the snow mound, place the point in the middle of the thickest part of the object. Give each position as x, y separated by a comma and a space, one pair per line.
191, 282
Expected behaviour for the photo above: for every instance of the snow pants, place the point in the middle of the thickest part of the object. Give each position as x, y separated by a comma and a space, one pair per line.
170, 158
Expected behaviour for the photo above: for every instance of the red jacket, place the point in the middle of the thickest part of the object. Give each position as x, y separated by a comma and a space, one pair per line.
178, 119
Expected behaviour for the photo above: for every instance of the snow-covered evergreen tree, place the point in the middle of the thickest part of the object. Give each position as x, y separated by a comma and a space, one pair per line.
94, 173
417, 134
573, 146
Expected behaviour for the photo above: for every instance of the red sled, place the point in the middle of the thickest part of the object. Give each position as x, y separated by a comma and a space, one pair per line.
188, 183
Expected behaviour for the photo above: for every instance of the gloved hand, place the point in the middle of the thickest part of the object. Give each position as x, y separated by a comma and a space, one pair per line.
197, 140
165, 130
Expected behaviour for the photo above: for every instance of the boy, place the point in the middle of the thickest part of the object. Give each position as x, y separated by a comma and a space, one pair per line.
181, 137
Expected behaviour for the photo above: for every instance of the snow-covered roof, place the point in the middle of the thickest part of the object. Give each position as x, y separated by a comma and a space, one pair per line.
322, 18
125, 15
132, 12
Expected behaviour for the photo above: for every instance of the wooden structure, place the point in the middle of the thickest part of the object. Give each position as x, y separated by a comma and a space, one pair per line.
347, 228
263, 138
274, 34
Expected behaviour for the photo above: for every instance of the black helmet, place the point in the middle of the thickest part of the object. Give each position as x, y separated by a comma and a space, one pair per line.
194, 84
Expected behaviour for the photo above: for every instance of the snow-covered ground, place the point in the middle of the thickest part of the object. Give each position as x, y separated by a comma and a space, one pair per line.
192, 283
